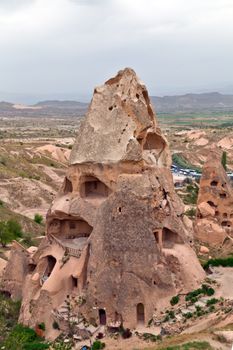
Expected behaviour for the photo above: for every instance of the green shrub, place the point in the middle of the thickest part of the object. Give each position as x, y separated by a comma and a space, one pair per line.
98, 345
188, 315
14, 227
198, 308
9, 314
194, 300
24, 338
200, 313
205, 289
225, 262
150, 322
211, 308
178, 160
211, 301
224, 160
191, 213
193, 294
9, 230
38, 218
19, 336
175, 300
41, 326
171, 314
151, 337
166, 318
191, 197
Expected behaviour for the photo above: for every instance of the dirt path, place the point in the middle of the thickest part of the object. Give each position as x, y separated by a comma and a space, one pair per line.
224, 276
135, 343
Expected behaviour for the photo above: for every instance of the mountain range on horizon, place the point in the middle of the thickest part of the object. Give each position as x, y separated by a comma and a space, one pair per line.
187, 103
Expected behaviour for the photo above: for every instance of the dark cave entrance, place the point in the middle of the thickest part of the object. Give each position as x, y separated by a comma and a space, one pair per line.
102, 317
51, 263
140, 314
93, 188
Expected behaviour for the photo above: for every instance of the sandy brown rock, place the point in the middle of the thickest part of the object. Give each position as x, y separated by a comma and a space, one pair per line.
215, 202
225, 336
116, 246
120, 126
204, 250
3, 264
15, 271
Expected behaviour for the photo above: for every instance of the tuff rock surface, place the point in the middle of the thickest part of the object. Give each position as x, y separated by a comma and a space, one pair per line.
214, 220
116, 247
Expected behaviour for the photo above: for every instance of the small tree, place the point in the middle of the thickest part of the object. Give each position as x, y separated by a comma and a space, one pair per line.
9, 230
14, 227
224, 160
175, 300
38, 218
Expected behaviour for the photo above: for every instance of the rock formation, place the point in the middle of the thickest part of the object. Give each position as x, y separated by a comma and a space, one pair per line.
20, 264
214, 221
116, 247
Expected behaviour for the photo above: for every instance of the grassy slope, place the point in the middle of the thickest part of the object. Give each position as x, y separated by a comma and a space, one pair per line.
24, 164
28, 225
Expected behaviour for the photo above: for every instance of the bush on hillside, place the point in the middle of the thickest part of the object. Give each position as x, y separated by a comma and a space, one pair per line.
9, 230
38, 218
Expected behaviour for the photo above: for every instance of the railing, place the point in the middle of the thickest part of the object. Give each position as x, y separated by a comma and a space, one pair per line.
71, 251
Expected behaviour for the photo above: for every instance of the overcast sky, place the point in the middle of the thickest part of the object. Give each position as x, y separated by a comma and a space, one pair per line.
63, 48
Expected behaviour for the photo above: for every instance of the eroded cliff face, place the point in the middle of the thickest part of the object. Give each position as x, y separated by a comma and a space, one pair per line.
116, 244
214, 219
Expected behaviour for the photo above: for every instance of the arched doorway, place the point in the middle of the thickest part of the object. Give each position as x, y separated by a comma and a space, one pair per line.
102, 317
154, 142
92, 187
140, 314
5, 293
68, 187
51, 263
170, 238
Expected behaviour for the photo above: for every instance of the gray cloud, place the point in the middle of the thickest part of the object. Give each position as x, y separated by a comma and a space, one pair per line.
90, 2
13, 5
69, 46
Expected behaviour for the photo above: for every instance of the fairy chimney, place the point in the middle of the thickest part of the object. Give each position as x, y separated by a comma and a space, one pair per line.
116, 242
214, 221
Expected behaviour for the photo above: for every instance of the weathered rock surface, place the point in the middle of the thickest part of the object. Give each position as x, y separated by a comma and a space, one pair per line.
3, 264
225, 336
204, 250
120, 126
214, 219
116, 246
15, 271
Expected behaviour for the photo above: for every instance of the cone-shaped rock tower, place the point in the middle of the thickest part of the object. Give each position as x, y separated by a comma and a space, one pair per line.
115, 243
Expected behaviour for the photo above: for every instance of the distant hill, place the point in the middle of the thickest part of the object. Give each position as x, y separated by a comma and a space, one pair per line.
192, 103
53, 108
6, 106
189, 103
62, 104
